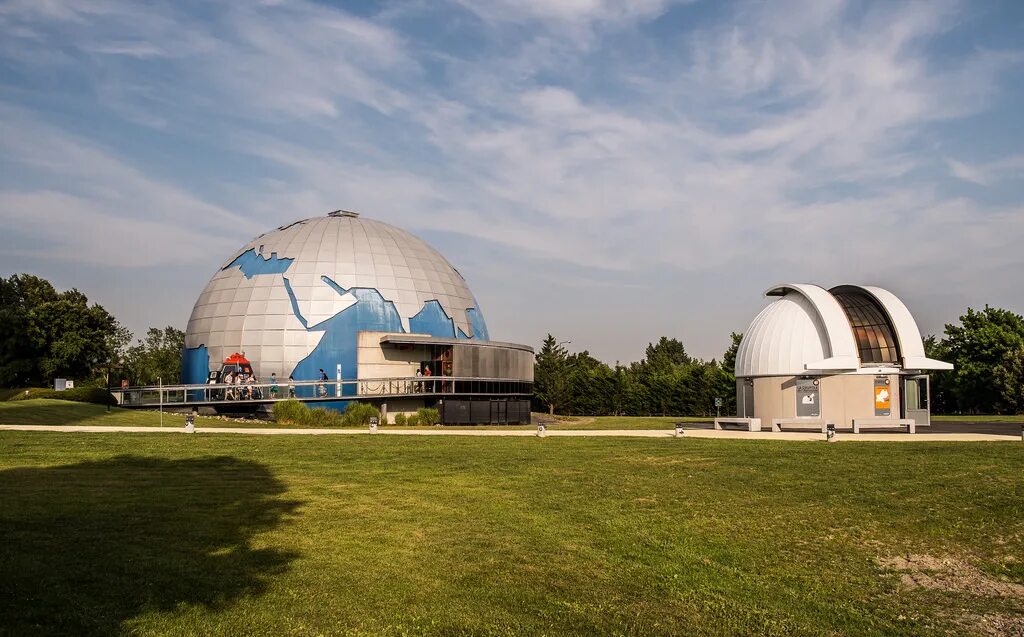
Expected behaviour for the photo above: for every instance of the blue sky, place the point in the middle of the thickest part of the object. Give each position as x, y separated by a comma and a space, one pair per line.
607, 171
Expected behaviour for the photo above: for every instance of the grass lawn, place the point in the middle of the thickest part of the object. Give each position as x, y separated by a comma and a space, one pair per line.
62, 412
1016, 418
624, 422
44, 411
242, 535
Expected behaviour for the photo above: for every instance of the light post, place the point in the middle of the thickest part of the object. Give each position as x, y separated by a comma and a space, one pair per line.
160, 384
108, 386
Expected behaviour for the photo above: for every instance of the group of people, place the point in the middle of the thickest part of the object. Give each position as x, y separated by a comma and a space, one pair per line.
244, 386
241, 386
425, 385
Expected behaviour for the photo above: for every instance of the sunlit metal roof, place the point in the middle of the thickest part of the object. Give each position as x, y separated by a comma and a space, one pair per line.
811, 329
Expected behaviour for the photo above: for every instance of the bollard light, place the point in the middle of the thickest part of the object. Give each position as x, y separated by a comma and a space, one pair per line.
190, 423
373, 425
830, 432
540, 431
679, 429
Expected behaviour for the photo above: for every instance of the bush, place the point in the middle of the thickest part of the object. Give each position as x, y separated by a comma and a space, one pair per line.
291, 412
412, 420
94, 395
400, 419
359, 414
428, 416
322, 417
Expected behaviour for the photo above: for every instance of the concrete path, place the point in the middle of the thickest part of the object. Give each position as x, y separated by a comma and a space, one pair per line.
527, 433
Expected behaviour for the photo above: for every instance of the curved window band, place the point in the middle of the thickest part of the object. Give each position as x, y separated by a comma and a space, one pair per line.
876, 342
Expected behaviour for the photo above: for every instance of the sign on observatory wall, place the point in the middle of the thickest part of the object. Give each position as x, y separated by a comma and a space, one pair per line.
807, 398
883, 396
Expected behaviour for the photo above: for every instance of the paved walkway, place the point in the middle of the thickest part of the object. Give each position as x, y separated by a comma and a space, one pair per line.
527, 433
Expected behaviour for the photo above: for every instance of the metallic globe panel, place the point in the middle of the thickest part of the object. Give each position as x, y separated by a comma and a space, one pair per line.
294, 299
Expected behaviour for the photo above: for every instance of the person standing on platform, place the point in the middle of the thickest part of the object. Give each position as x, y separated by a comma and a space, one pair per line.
322, 387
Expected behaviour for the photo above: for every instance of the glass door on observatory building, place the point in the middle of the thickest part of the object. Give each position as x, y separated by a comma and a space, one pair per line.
915, 399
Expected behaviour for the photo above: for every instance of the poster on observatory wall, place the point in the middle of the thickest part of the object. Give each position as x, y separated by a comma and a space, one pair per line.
883, 397
807, 402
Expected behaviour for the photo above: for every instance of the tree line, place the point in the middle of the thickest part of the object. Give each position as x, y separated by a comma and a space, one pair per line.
46, 334
986, 348
666, 382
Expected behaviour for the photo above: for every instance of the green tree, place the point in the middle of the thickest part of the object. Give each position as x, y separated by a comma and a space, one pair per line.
550, 375
941, 383
1008, 377
982, 342
49, 333
19, 360
156, 356
591, 386
729, 357
727, 380
666, 353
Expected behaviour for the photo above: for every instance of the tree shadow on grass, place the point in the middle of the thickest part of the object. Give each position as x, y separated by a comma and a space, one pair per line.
85, 547
61, 412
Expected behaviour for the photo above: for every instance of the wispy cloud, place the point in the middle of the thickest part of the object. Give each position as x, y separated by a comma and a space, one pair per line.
790, 139
987, 173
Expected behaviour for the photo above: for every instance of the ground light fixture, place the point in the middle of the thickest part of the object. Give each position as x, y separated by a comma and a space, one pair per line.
373, 425
679, 429
830, 432
541, 429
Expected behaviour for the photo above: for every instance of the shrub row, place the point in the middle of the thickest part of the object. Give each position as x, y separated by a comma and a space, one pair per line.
293, 412
423, 416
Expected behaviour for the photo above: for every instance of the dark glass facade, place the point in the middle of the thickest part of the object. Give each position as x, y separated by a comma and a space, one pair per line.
876, 342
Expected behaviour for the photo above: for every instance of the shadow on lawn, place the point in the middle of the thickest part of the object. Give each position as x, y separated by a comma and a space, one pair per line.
52, 412
86, 547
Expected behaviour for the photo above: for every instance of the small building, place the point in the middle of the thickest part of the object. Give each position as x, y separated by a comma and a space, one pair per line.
815, 356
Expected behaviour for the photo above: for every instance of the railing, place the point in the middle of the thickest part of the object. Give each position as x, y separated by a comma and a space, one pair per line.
312, 390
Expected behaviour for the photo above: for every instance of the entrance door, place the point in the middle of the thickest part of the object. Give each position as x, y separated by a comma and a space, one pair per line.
916, 392
745, 397
499, 412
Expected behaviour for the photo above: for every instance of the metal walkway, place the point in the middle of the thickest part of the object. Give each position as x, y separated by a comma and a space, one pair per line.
311, 391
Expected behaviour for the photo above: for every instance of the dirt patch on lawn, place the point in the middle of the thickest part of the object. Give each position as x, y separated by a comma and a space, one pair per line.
950, 574
998, 625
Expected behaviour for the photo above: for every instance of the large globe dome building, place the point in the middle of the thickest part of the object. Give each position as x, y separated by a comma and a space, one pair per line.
362, 300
